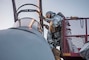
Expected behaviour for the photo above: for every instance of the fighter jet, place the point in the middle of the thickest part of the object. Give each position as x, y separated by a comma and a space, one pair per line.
24, 41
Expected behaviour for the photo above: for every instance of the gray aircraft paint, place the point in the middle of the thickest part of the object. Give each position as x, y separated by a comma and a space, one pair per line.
16, 44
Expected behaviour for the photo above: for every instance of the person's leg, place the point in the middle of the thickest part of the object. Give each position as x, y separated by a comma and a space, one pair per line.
49, 39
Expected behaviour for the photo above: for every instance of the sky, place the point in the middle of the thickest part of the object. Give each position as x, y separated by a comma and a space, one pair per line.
67, 7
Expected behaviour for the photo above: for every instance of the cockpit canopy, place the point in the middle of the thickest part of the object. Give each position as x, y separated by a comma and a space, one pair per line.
26, 22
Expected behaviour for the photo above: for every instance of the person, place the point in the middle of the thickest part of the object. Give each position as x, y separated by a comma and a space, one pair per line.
54, 29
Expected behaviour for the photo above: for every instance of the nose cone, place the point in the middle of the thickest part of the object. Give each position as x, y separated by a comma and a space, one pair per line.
23, 45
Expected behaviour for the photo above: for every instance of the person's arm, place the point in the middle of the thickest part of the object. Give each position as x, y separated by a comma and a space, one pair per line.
51, 26
48, 19
46, 26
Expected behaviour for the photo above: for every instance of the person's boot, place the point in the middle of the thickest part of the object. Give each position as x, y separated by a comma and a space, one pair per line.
56, 53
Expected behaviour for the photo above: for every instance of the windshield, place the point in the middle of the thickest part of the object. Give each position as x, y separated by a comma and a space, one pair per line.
25, 22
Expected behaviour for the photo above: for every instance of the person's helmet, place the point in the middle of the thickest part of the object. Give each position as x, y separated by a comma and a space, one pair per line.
60, 14
50, 14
